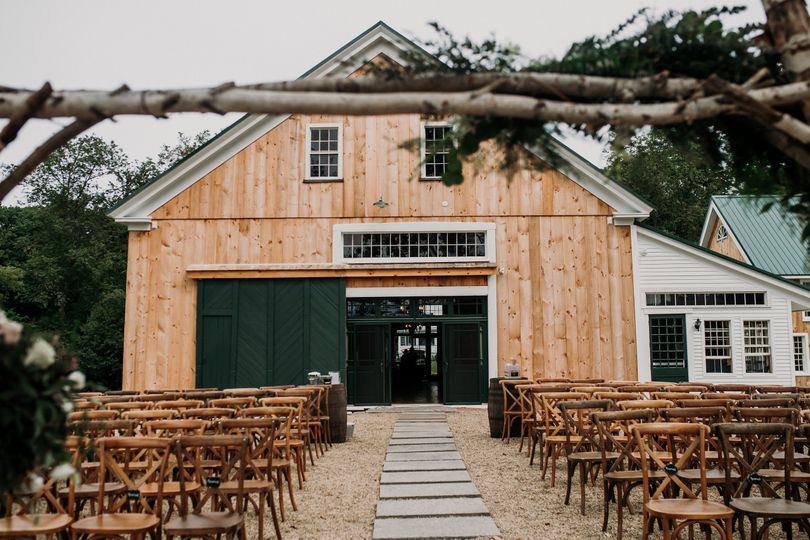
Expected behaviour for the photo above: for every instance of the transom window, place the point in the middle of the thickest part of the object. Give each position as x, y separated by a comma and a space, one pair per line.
436, 145
757, 341
324, 152
800, 353
717, 342
722, 234
706, 299
422, 245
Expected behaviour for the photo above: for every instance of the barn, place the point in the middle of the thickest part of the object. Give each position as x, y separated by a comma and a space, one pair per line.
297, 243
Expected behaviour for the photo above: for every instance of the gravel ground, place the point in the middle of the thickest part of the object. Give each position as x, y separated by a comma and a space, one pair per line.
523, 505
340, 495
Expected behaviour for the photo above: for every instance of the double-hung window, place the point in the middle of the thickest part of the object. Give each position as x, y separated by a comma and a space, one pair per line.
800, 353
324, 148
436, 144
717, 346
757, 343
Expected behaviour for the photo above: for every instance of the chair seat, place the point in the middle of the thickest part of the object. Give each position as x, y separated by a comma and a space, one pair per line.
766, 506
632, 476
150, 489
592, 456
122, 523
562, 439
30, 525
202, 524
798, 457
713, 476
251, 486
90, 490
776, 474
688, 509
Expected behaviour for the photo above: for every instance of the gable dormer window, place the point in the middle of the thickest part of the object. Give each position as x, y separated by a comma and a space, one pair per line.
435, 148
324, 152
722, 234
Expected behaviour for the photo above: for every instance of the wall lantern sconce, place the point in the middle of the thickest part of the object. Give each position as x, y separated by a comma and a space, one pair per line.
381, 203
697, 324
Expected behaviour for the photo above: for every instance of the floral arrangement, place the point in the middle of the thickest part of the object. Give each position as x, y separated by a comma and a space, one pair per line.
37, 385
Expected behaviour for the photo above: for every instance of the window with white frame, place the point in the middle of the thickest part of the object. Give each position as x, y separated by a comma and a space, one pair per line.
436, 145
800, 353
717, 346
324, 147
722, 234
757, 342
805, 314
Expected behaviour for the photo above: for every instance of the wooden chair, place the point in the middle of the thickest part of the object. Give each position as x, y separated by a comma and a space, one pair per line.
258, 484
323, 411
235, 403
750, 448
733, 387
775, 389
91, 414
26, 518
582, 447
732, 396
243, 392
229, 466
554, 435
127, 512
620, 474
294, 447
308, 428
645, 388
107, 399
129, 405
677, 513
180, 404
204, 395
145, 416
85, 405
209, 413
653, 404
674, 396
687, 387
82, 450
616, 396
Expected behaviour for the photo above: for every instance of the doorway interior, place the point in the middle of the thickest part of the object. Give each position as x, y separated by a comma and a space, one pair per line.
416, 367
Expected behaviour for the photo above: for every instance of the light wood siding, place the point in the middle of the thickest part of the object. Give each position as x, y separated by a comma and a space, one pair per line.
728, 247
564, 286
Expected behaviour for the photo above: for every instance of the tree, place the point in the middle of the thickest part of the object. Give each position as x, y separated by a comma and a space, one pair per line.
676, 178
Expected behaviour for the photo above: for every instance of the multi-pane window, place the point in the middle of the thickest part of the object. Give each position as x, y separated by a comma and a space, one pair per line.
800, 352
717, 341
423, 245
757, 342
323, 152
436, 145
706, 299
722, 234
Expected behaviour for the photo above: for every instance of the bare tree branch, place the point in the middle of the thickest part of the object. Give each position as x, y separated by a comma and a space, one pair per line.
15, 123
42, 152
89, 103
789, 147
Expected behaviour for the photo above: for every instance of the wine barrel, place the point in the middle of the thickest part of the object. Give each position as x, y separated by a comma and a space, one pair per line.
337, 412
495, 407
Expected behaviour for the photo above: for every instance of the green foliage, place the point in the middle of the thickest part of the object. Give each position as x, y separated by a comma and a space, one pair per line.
63, 261
678, 180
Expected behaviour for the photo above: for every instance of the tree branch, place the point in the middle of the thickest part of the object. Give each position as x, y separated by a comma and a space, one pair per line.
39, 155
15, 123
88, 103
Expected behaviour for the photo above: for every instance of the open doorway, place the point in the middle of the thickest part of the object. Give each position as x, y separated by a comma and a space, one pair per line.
416, 365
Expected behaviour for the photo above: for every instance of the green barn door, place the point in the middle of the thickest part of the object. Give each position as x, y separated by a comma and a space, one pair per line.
366, 362
464, 346
215, 321
668, 348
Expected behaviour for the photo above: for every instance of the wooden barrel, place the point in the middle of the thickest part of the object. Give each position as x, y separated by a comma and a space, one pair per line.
495, 407
337, 412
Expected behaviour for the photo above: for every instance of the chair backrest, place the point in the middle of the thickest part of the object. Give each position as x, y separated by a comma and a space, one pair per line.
95, 429
209, 413
243, 392
613, 428
684, 444
180, 404
156, 396
153, 414
775, 389
107, 399
787, 415
203, 394
725, 395
750, 448
703, 415
129, 405
616, 397
261, 432
92, 415
233, 402
655, 404
692, 388
116, 456
645, 388
213, 459
552, 416
85, 405
174, 427
581, 433
674, 396
738, 388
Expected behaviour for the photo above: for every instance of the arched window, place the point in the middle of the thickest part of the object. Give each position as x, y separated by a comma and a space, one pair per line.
722, 234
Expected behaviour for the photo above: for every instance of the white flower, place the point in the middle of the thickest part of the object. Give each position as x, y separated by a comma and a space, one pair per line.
78, 379
11, 332
67, 406
62, 471
41, 354
31, 484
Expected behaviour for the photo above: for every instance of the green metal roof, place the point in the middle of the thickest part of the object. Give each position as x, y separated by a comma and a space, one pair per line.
771, 239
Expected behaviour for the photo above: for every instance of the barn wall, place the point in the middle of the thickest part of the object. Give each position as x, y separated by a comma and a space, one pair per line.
564, 278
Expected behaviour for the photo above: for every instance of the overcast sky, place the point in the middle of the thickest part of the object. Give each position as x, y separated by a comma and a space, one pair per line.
101, 44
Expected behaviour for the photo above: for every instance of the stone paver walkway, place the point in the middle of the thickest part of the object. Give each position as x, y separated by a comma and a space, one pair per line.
425, 490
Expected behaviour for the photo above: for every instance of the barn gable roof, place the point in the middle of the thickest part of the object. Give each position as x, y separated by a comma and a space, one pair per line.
136, 210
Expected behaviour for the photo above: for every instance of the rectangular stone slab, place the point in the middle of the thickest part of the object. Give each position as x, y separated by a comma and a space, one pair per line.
419, 440
415, 491
422, 456
421, 434
411, 426
441, 465
424, 477
451, 506
435, 527
438, 447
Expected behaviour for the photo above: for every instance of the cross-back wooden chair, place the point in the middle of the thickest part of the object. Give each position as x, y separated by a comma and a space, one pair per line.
235, 403
209, 413
622, 473
127, 511
203, 395
775, 389
174, 427
552, 380
155, 396
258, 484
243, 392
91, 414
323, 411
180, 404
724, 403
689, 388
554, 433
582, 446
652, 404
212, 460
293, 446
644, 388
751, 449
736, 396
533, 422
309, 429
146, 416
129, 405
687, 445
674, 396
617, 396
41, 512
787, 415
733, 387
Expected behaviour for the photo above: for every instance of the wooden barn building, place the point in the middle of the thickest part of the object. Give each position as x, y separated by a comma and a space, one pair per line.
296, 243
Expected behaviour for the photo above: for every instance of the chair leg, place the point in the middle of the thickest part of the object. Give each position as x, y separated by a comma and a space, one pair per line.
288, 474
569, 470
620, 511
273, 514
280, 490
582, 480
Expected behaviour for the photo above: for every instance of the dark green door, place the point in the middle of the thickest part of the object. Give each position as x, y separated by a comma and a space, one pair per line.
668, 348
366, 362
463, 362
